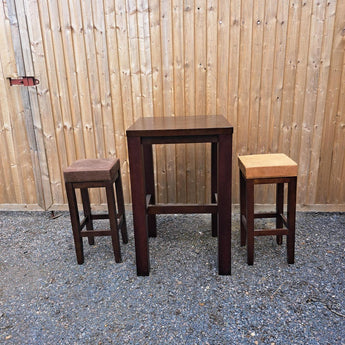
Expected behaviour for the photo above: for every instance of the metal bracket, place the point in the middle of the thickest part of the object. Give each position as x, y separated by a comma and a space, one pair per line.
24, 81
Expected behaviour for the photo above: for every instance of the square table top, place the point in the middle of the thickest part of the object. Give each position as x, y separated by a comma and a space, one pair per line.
180, 125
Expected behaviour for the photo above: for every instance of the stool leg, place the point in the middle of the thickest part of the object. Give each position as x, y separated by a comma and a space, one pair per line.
250, 220
279, 209
242, 208
291, 220
121, 208
75, 221
113, 223
87, 212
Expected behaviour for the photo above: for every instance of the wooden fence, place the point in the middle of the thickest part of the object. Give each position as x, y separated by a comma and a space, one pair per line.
275, 69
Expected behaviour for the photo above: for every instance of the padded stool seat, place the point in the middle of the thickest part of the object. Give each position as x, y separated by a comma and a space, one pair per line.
275, 169
96, 173
86, 170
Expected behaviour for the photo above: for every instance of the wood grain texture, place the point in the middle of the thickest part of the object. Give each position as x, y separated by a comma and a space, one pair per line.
274, 69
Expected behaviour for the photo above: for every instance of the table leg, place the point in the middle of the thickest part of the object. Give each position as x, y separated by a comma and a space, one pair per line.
150, 187
136, 165
214, 149
224, 203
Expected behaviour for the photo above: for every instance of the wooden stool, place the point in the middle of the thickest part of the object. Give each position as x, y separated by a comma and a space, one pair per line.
268, 169
95, 173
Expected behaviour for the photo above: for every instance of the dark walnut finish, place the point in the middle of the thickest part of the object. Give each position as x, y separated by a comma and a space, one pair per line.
146, 132
96, 173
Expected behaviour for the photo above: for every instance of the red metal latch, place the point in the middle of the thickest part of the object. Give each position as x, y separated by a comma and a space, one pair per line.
24, 81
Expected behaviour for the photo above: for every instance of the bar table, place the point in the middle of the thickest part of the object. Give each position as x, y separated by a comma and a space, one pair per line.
148, 131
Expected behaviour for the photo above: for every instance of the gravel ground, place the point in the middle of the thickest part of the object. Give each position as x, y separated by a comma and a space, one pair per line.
46, 298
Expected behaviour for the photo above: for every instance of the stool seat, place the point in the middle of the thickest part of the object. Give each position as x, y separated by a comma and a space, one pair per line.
92, 170
267, 166
96, 173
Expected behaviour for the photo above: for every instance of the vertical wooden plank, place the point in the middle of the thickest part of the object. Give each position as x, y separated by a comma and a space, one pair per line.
189, 39
34, 124
156, 57
289, 76
223, 57
234, 62
211, 56
341, 190
300, 82
103, 117
278, 75
52, 38
67, 74
44, 105
277, 85
82, 76
327, 40
243, 122
312, 83
244, 78
178, 46
4, 186
168, 92
255, 58
25, 142
116, 96
189, 93
82, 38
200, 65
211, 80
268, 48
90, 31
277, 65
178, 54
108, 135
332, 102
134, 58
12, 189
255, 69
124, 61
145, 57
58, 101
9, 192
157, 80
337, 184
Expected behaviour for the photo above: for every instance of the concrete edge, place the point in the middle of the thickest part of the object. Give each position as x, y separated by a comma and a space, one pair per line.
102, 207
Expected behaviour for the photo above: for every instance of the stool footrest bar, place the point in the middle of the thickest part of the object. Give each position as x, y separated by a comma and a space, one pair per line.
181, 208
266, 215
268, 232
99, 216
90, 233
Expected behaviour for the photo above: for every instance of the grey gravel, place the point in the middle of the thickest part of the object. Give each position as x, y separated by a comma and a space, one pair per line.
47, 298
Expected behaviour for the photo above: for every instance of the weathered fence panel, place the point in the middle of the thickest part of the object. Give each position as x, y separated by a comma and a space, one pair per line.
275, 69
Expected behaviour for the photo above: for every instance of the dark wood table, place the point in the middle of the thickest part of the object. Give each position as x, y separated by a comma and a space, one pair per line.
148, 131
